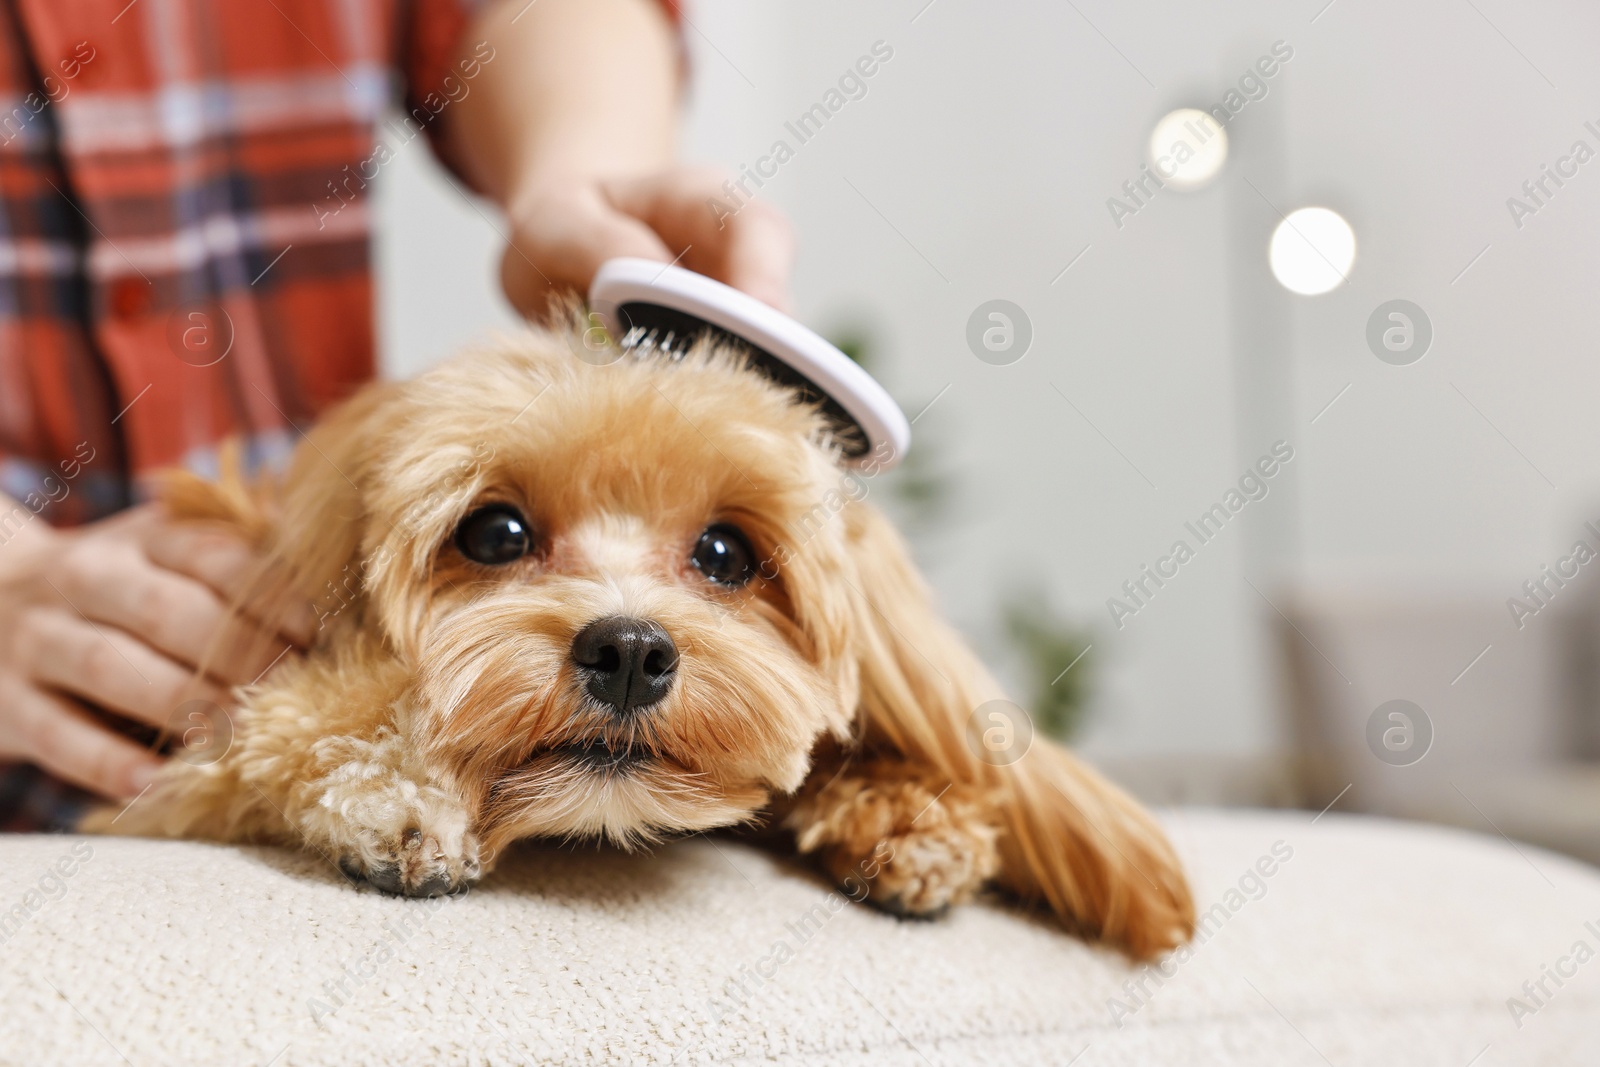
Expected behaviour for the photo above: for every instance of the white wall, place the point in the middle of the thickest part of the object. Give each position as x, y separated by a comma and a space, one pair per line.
981, 160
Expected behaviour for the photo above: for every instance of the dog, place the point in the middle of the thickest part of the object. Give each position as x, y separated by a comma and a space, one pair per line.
628, 601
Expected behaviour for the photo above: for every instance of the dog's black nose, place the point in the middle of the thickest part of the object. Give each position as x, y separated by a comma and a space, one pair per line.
630, 663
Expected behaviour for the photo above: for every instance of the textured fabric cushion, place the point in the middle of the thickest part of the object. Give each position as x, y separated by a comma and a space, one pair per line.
1368, 942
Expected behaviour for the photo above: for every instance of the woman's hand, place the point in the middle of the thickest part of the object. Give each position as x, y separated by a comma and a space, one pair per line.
570, 125
119, 615
563, 228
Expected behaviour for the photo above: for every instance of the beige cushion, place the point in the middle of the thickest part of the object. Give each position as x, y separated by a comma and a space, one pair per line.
1373, 943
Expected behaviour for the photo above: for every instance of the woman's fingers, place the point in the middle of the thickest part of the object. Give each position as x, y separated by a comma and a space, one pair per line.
64, 740
758, 252
561, 238
565, 230
109, 668
174, 614
230, 568
750, 247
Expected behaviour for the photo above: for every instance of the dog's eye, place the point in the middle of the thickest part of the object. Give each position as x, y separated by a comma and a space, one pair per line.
723, 555
493, 535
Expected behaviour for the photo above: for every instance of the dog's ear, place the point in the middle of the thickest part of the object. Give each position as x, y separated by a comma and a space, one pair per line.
1070, 838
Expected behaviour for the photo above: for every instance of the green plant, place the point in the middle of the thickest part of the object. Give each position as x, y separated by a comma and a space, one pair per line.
1055, 653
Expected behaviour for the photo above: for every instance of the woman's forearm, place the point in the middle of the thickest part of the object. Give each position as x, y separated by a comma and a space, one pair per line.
576, 87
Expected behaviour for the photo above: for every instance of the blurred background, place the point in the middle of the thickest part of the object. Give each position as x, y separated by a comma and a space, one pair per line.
1158, 342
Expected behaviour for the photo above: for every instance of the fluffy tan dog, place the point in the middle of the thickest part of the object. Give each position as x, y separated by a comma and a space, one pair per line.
629, 601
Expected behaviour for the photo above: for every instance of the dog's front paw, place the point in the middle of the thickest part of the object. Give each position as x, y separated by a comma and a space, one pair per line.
418, 864
923, 872
404, 837
915, 848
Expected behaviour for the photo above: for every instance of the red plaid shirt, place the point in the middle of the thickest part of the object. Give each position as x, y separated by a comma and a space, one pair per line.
184, 223
184, 230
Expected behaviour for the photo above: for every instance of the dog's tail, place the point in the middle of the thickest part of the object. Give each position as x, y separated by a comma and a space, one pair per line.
1072, 840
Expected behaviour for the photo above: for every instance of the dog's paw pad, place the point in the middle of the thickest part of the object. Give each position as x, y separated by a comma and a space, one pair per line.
386, 877
902, 909
416, 865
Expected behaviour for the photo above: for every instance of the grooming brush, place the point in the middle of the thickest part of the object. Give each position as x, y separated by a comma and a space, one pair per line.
651, 309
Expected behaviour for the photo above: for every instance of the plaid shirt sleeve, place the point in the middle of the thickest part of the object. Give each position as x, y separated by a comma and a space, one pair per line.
429, 42
185, 237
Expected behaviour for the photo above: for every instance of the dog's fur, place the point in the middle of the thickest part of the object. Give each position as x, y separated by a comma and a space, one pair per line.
432, 722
